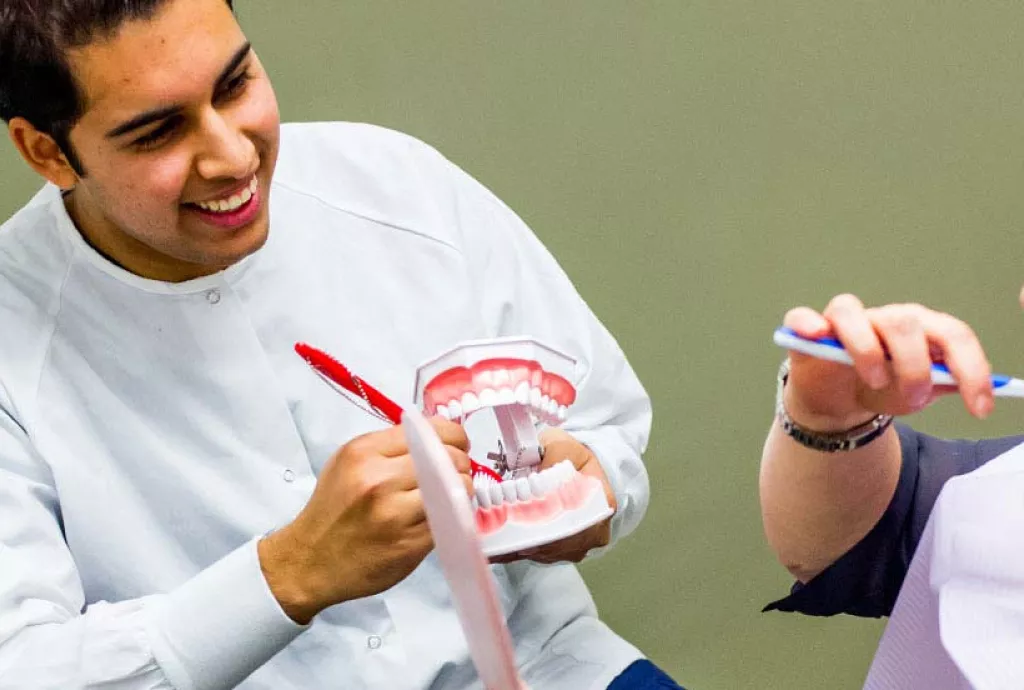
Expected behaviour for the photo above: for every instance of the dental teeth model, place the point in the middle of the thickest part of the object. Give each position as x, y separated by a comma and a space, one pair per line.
522, 382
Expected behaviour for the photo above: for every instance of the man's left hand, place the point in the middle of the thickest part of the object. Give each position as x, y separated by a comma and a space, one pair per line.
558, 446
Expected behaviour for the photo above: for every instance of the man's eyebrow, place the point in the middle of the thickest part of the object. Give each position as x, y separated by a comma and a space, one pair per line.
151, 116
236, 60
146, 118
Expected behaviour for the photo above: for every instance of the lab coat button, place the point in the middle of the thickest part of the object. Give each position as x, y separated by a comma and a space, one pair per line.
374, 642
213, 296
289, 476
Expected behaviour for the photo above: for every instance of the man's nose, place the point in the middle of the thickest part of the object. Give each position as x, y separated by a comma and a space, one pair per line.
227, 152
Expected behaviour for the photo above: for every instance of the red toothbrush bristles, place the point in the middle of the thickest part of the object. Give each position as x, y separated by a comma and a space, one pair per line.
339, 374
476, 468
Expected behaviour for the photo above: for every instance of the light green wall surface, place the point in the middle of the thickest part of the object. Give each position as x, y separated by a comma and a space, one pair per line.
698, 168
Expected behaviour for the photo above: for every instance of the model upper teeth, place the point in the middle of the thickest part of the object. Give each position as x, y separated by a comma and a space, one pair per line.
233, 202
460, 391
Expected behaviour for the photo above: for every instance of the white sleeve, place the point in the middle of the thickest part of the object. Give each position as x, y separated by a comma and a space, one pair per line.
523, 291
209, 634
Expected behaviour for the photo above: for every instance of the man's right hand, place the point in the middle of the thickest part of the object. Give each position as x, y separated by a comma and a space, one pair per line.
827, 396
364, 529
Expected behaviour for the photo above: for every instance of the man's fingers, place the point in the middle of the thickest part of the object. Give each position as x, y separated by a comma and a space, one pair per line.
854, 329
552, 556
388, 442
571, 549
460, 459
386, 474
391, 442
893, 349
902, 329
462, 465
807, 322
451, 433
914, 336
963, 354
402, 510
419, 538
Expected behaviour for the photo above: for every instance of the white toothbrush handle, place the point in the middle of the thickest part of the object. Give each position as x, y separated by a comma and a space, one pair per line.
832, 350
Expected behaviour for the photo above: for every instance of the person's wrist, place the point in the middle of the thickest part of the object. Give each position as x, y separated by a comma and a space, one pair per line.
287, 574
823, 422
845, 439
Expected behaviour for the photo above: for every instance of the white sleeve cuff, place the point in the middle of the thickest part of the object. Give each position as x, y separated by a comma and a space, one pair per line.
216, 629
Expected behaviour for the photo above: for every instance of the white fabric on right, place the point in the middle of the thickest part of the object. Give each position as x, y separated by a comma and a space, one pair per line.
959, 620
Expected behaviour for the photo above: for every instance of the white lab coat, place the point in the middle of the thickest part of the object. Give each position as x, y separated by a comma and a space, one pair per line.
151, 432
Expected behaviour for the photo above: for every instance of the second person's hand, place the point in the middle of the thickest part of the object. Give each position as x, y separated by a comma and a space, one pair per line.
893, 348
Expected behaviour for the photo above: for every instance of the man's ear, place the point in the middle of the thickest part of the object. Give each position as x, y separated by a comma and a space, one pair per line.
42, 152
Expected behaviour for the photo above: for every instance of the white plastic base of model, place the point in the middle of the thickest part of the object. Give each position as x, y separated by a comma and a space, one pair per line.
517, 536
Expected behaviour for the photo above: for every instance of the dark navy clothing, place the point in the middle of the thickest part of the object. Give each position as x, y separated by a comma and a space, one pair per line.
643, 675
866, 580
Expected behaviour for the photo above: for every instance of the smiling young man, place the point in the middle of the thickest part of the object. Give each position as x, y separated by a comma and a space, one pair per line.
183, 503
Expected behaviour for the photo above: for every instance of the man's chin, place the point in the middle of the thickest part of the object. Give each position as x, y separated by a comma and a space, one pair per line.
215, 256
247, 244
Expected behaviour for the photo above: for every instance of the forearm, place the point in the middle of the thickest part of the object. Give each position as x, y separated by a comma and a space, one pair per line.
208, 634
816, 506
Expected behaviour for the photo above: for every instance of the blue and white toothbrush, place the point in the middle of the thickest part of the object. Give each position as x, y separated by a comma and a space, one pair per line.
831, 349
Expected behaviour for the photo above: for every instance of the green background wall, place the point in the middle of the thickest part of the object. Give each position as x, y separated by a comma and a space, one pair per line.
699, 167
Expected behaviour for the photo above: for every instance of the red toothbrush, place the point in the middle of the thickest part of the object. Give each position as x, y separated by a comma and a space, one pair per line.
380, 405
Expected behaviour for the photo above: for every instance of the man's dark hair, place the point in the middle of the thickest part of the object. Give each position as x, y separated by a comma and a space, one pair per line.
36, 82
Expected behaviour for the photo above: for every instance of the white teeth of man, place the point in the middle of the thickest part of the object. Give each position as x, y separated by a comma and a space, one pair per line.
523, 492
506, 396
488, 398
483, 497
233, 202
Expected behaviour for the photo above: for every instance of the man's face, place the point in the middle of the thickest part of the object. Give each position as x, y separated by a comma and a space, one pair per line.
180, 127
